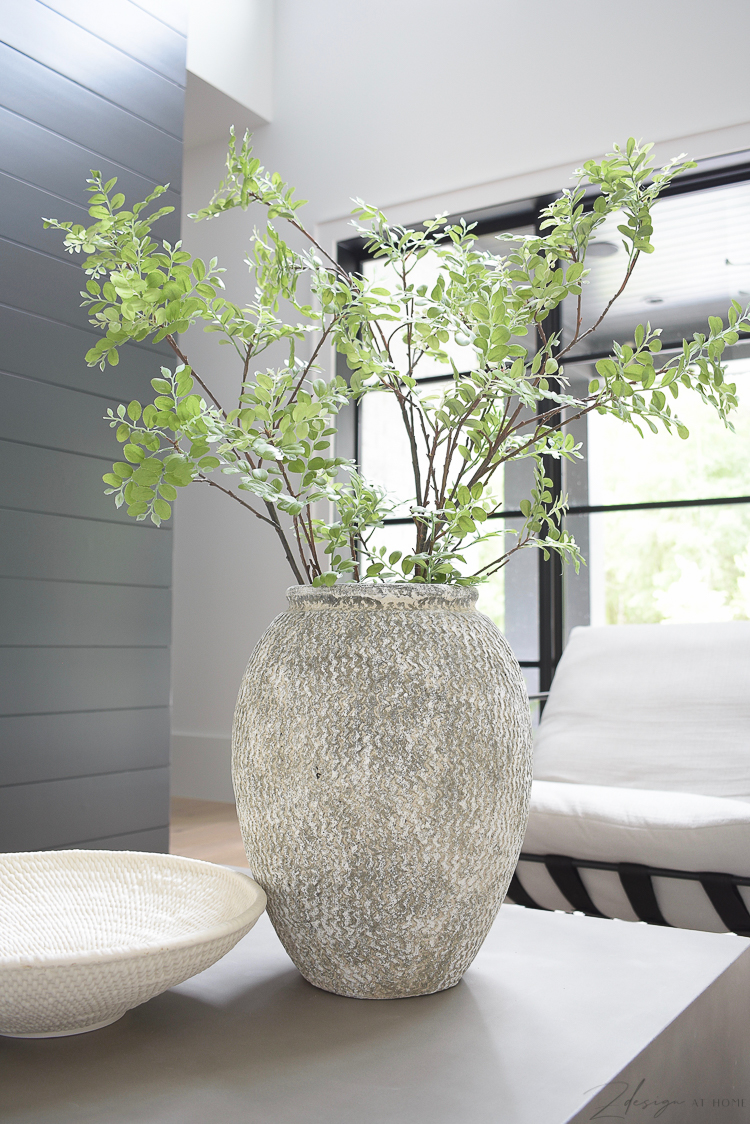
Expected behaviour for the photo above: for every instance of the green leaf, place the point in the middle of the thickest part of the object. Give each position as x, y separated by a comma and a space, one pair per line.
607, 369
184, 383
149, 471
134, 410
133, 454
141, 492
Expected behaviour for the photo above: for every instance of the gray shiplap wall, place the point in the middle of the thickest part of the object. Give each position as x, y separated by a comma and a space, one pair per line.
84, 591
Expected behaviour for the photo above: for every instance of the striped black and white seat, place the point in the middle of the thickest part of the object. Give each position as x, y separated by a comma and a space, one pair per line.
641, 798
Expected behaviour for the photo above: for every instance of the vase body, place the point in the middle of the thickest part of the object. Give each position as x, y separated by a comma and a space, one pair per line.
382, 767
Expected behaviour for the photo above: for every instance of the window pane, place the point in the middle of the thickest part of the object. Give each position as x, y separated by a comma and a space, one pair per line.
384, 451
713, 462
394, 537
701, 262
673, 565
424, 272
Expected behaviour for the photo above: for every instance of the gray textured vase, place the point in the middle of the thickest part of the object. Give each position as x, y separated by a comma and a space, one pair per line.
382, 765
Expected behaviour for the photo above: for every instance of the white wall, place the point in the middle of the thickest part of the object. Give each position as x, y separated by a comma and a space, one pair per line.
422, 106
229, 68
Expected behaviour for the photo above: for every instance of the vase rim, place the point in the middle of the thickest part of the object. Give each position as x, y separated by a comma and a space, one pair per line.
382, 595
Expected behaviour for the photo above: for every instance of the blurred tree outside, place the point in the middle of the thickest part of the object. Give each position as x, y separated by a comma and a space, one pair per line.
676, 564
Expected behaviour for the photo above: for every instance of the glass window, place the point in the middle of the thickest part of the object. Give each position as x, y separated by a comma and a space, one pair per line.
713, 461
688, 560
670, 565
424, 272
701, 262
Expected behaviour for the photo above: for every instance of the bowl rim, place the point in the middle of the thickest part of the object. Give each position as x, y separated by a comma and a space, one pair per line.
120, 953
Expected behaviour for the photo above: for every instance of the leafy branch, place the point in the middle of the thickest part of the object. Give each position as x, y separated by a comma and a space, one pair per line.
482, 317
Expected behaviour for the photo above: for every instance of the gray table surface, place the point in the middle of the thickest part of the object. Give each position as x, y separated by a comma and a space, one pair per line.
554, 1006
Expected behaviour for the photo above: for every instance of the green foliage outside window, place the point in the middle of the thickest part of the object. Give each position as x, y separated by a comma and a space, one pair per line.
273, 451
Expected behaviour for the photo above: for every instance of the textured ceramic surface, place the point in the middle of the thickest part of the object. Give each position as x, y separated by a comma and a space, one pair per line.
382, 765
86, 935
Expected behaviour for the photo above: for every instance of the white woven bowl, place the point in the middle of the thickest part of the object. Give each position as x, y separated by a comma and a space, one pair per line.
86, 935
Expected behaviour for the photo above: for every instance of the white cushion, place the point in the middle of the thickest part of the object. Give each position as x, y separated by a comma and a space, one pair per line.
672, 830
651, 707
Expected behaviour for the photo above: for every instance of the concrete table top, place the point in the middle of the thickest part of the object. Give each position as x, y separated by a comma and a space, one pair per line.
560, 1018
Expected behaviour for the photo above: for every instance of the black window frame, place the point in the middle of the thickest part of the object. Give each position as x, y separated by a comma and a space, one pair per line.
351, 254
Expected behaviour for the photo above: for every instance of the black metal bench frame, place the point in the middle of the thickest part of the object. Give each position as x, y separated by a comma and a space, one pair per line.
721, 889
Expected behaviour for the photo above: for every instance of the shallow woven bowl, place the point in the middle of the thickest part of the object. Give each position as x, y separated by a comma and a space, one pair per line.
86, 935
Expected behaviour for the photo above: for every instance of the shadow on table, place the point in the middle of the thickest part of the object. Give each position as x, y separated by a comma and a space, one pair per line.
257, 1042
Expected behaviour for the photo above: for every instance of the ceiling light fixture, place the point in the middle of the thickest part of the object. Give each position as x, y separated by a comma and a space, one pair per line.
602, 249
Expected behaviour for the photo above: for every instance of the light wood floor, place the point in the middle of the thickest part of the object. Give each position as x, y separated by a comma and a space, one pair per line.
206, 829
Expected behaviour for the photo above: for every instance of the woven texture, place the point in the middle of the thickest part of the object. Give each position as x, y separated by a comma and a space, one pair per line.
86, 935
382, 765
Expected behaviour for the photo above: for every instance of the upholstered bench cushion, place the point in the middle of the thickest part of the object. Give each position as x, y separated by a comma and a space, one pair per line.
659, 706
676, 830
672, 830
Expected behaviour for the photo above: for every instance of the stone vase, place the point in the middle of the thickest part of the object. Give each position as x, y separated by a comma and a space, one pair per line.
382, 766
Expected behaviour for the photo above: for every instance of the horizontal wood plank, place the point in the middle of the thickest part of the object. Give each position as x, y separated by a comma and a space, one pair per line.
174, 13
130, 29
78, 613
21, 216
36, 283
39, 348
62, 680
54, 546
45, 747
41, 414
65, 812
65, 108
60, 483
74, 53
61, 166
